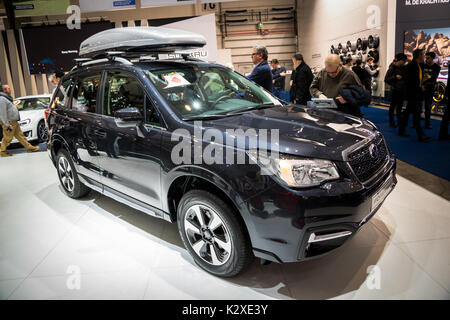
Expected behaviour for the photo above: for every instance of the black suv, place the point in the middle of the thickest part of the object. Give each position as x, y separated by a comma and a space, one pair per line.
114, 124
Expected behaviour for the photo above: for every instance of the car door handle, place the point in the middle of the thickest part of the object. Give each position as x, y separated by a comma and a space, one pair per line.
100, 133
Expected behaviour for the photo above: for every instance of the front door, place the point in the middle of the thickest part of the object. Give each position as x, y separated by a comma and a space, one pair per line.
130, 151
85, 123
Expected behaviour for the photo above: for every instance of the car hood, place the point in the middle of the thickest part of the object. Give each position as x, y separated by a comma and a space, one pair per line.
304, 132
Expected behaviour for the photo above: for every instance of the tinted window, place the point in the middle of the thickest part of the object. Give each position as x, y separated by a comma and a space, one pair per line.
151, 114
32, 104
196, 90
62, 94
84, 96
125, 91
122, 91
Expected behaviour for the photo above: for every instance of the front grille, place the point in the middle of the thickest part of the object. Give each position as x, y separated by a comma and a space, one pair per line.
365, 164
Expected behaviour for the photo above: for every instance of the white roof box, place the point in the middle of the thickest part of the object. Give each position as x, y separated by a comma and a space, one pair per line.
140, 39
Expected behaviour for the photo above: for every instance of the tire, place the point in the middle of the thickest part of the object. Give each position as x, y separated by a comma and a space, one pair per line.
68, 176
227, 233
41, 131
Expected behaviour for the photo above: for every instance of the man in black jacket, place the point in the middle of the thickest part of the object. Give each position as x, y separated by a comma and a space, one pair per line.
395, 77
279, 77
414, 95
431, 72
301, 81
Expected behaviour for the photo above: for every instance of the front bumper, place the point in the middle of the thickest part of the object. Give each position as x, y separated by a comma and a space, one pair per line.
291, 226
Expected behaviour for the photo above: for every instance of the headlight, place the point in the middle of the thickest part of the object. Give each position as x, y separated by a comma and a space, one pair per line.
25, 122
299, 173
306, 173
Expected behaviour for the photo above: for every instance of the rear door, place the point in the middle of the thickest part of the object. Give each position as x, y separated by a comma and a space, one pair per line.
130, 151
86, 125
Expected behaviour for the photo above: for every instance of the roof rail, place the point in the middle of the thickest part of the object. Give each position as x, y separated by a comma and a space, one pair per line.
110, 56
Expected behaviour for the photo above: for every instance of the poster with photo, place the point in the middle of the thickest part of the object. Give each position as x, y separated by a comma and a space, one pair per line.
429, 40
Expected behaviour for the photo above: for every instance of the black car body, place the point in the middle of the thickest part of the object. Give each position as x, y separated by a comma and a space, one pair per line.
129, 159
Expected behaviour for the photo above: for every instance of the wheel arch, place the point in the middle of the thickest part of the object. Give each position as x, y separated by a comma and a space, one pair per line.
189, 179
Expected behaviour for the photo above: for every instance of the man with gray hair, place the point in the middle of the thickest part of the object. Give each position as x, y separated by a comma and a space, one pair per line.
329, 81
9, 121
261, 74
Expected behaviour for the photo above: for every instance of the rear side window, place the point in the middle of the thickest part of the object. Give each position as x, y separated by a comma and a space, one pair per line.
84, 96
62, 94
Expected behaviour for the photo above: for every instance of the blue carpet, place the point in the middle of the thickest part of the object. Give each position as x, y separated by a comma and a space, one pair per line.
432, 156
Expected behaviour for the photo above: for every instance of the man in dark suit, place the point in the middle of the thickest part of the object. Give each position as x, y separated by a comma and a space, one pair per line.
414, 95
301, 81
261, 74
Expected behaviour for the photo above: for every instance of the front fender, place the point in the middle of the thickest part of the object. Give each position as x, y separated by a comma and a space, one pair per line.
217, 179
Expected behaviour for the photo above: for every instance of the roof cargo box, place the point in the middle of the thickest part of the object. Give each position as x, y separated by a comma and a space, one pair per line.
140, 40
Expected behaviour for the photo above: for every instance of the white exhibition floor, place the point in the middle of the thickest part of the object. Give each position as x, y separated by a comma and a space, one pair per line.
124, 254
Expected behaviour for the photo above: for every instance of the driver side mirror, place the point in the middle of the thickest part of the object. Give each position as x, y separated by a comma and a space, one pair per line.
129, 114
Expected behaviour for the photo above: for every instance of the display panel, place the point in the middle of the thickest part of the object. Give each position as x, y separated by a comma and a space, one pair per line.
53, 48
102, 5
26, 8
162, 3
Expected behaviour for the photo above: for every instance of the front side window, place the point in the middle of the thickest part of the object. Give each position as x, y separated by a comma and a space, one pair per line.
32, 104
125, 91
84, 96
122, 91
195, 91
62, 94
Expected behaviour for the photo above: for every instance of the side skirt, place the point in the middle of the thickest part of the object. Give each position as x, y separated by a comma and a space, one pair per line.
122, 198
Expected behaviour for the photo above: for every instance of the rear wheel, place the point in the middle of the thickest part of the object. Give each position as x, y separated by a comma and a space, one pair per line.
42, 131
68, 176
212, 234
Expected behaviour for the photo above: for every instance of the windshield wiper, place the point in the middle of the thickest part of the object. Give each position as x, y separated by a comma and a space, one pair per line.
229, 113
206, 117
260, 107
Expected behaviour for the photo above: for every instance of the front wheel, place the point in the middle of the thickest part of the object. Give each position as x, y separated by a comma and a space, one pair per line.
213, 234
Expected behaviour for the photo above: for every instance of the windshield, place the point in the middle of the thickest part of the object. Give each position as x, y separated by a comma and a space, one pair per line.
203, 91
32, 104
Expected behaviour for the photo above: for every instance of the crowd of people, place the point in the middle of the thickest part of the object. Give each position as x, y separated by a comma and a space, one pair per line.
349, 83
413, 84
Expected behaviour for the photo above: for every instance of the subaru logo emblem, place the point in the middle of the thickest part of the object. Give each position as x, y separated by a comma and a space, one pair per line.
373, 149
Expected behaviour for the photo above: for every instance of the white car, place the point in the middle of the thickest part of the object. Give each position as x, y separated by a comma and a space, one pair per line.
32, 117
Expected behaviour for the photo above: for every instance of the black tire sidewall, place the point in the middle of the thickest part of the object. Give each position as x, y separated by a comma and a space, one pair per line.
241, 250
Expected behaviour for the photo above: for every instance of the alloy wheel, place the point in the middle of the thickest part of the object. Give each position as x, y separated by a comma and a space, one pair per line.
208, 235
42, 132
66, 174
